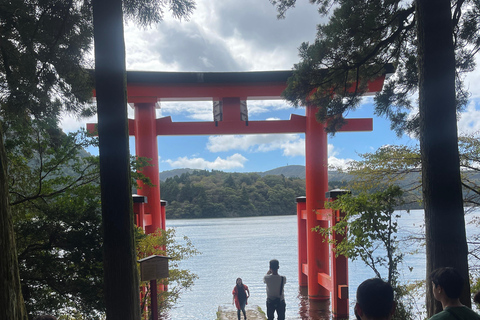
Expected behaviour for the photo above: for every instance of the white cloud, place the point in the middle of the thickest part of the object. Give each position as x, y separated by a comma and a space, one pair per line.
231, 162
291, 144
195, 110
70, 122
256, 107
469, 121
331, 150
472, 79
336, 163
294, 148
223, 35
333, 161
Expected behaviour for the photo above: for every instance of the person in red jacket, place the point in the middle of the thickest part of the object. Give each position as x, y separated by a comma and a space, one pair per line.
240, 295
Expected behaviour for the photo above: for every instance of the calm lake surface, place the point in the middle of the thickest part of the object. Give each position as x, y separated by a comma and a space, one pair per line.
242, 247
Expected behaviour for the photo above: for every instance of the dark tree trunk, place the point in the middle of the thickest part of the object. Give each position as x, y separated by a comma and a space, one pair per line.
442, 192
11, 299
120, 270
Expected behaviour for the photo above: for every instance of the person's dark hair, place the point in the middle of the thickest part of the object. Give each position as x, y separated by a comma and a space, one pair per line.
476, 298
375, 297
45, 317
450, 280
274, 264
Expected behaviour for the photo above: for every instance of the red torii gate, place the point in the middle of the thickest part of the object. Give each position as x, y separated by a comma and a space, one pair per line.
229, 92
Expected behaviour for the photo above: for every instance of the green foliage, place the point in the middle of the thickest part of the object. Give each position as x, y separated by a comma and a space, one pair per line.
164, 244
389, 165
469, 149
360, 38
137, 164
43, 50
372, 226
55, 200
47, 163
401, 165
204, 194
60, 254
148, 12
56, 210
44, 53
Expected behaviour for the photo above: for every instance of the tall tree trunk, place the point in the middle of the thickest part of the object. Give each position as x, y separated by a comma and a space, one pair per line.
442, 191
120, 269
11, 299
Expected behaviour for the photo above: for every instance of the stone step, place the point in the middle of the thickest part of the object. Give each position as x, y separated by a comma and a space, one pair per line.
229, 312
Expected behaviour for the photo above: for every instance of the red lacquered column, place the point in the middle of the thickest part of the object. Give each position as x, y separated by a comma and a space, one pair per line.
146, 146
302, 241
316, 169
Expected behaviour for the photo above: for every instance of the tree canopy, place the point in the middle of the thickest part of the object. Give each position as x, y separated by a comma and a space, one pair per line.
359, 40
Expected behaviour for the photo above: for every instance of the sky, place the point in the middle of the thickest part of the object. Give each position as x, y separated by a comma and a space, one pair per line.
231, 36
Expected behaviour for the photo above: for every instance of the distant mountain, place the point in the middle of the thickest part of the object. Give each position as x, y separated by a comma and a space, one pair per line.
293, 171
164, 175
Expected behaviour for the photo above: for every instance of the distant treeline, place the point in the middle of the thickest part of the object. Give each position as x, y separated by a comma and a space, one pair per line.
215, 194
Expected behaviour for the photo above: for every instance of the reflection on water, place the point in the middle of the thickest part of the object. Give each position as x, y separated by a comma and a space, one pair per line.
313, 309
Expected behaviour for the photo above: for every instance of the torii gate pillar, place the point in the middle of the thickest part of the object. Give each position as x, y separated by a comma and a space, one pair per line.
316, 182
146, 146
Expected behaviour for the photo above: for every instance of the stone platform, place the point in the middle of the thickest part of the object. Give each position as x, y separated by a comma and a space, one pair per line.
229, 312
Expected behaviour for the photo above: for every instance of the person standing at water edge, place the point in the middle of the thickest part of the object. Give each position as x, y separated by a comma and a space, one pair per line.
240, 296
275, 297
447, 286
375, 300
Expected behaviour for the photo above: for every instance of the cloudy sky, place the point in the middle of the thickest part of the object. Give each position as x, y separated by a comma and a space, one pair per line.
232, 35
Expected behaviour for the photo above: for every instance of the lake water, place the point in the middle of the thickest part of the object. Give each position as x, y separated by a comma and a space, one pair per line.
242, 247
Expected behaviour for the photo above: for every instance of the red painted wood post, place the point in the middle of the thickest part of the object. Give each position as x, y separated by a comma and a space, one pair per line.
163, 214
139, 210
339, 266
302, 240
231, 109
154, 299
316, 181
163, 205
146, 146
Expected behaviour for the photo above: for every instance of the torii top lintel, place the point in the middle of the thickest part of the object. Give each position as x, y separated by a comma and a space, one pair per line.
145, 87
158, 86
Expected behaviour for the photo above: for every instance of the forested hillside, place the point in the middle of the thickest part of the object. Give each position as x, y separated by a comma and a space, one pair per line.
212, 194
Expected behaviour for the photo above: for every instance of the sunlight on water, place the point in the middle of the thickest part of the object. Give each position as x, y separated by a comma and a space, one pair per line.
242, 247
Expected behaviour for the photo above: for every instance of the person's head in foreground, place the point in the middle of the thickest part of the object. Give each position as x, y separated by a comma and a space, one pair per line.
476, 298
447, 285
374, 300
